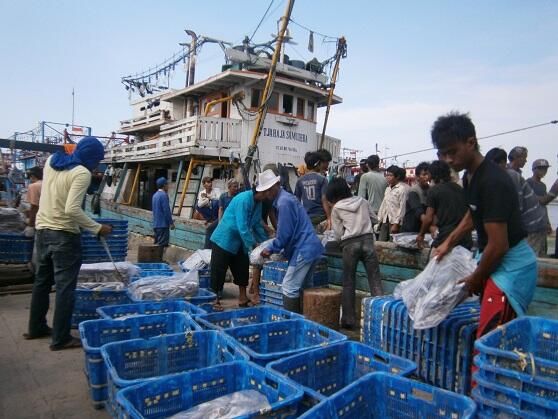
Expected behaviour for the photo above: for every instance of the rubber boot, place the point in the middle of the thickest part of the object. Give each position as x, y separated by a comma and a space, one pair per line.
292, 304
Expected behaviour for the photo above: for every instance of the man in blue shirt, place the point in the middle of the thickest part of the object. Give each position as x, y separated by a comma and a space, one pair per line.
295, 238
162, 218
310, 190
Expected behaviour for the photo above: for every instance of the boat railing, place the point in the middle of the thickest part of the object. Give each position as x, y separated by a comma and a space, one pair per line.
178, 137
157, 117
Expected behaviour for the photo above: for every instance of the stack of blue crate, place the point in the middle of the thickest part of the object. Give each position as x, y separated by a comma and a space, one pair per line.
443, 354
93, 250
15, 248
517, 372
272, 277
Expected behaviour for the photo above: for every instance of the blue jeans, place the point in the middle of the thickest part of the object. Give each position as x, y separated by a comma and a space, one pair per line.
59, 261
296, 276
211, 212
161, 236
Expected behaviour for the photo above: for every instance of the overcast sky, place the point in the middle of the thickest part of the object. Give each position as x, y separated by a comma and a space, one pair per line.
408, 62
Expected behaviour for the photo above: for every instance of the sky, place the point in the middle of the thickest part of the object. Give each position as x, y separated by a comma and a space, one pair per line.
408, 62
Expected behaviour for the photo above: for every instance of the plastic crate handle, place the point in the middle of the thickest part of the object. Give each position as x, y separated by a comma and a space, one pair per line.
381, 358
422, 394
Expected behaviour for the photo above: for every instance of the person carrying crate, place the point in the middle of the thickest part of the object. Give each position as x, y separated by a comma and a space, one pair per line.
295, 237
506, 274
66, 178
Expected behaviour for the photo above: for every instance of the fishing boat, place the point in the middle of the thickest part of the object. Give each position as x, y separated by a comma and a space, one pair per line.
261, 108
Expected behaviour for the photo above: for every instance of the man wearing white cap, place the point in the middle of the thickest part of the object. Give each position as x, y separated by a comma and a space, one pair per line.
295, 237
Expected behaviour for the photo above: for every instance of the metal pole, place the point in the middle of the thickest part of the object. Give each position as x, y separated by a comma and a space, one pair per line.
268, 86
341, 45
73, 105
185, 187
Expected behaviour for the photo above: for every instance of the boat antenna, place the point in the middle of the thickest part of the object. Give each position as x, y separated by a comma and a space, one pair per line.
340, 53
266, 95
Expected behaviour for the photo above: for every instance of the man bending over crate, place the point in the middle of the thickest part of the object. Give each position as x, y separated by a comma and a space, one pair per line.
506, 274
66, 178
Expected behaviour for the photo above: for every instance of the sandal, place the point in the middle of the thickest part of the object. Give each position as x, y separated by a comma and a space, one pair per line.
71, 344
217, 307
246, 304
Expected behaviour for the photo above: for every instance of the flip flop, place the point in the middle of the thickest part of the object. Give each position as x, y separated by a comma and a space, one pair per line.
246, 304
217, 307
71, 344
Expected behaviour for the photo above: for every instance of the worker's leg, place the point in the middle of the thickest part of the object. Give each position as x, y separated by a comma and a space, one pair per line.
66, 258
255, 285
219, 265
351, 255
537, 241
44, 280
372, 267
240, 269
292, 283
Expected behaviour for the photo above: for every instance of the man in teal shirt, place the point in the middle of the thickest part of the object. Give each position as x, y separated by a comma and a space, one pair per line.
232, 241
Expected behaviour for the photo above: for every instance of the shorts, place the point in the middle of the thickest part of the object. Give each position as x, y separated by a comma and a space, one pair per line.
221, 260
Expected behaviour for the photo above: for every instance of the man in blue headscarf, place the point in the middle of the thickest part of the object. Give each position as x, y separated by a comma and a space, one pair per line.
66, 178
162, 217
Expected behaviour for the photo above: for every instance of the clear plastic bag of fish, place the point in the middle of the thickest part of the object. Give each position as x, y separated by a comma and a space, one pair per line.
434, 293
11, 221
101, 286
256, 257
105, 272
409, 240
232, 405
200, 259
160, 287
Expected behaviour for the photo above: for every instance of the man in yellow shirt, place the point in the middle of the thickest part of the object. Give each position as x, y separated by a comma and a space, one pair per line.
66, 178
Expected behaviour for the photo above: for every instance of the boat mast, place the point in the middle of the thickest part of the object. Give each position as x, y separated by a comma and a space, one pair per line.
341, 52
262, 110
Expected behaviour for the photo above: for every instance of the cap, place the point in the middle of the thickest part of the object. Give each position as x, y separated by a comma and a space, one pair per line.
161, 182
540, 163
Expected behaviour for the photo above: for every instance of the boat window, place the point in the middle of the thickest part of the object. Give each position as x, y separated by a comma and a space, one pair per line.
300, 107
256, 98
273, 104
288, 104
310, 113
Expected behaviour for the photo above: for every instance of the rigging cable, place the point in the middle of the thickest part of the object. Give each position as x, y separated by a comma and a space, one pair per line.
261, 20
313, 31
478, 138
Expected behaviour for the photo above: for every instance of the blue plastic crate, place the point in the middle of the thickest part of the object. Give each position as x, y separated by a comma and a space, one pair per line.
270, 301
100, 259
15, 248
244, 317
386, 396
442, 354
145, 274
526, 344
204, 275
203, 296
88, 301
267, 342
170, 395
135, 361
275, 271
517, 381
149, 307
325, 371
488, 408
153, 266
523, 402
96, 333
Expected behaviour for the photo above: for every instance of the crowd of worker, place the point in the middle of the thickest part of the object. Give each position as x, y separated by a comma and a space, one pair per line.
507, 212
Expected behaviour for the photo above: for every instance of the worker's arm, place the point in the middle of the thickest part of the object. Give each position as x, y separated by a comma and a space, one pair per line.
427, 221
220, 213
363, 188
495, 249
551, 195
336, 224
33, 209
465, 226
285, 228
79, 184
166, 211
242, 216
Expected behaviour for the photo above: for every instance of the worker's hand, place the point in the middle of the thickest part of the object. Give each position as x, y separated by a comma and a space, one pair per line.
172, 226
472, 284
440, 251
421, 244
266, 253
434, 231
394, 228
554, 188
29, 231
105, 230
328, 224
549, 230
